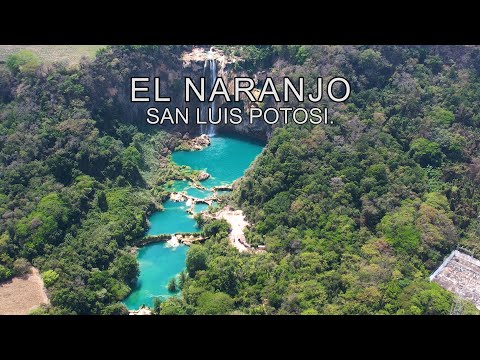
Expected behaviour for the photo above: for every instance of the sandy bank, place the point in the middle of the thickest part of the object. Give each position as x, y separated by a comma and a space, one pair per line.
237, 222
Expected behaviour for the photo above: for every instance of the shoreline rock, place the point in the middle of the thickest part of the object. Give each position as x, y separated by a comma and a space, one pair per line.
203, 176
177, 197
195, 144
142, 311
189, 239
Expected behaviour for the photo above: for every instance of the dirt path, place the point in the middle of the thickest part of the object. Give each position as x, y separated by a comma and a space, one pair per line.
22, 294
237, 222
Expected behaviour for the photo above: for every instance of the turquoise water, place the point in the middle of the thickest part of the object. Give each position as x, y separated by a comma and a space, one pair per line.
225, 160
172, 219
178, 185
200, 207
158, 264
199, 193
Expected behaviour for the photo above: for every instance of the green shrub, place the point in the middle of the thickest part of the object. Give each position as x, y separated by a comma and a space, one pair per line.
5, 273
23, 61
49, 277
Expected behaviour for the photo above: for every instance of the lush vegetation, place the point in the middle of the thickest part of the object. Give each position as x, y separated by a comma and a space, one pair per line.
255, 58
71, 54
76, 183
355, 215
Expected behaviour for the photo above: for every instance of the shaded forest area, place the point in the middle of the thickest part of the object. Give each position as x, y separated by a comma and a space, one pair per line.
355, 215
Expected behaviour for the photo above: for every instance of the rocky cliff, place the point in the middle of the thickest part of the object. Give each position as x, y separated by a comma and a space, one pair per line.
109, 79
227, 68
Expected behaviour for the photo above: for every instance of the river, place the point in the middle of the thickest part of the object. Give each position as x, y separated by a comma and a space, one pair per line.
226, 159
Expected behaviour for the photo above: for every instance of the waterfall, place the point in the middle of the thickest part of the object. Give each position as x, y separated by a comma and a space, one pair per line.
210, 74
173, 242
213, 77
204, 109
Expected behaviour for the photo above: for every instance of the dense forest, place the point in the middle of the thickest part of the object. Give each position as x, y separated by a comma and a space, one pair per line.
355, 215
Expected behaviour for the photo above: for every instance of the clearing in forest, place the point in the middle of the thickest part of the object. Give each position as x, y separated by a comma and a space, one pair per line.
51, 53
20, 295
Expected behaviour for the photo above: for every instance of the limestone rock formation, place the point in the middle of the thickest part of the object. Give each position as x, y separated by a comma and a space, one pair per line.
197, 143
203, 176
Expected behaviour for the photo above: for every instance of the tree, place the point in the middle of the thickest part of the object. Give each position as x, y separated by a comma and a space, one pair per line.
5, 85
174, 306
217, 228
426, 298
5, 273
172, 285
102, 201
442, 117
132, 155
218, 303
49, 277
125, 268
199, 219
72, 298
309, 312
126, 132
23, 61
61, 167
115, 309
400, 230
426, 152
21, 266
157, 303
182, 278
44, 225
39, 311
196, 259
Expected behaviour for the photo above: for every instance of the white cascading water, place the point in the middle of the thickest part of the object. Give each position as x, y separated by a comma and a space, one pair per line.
204, 108
210, 74
173, 242
213, 77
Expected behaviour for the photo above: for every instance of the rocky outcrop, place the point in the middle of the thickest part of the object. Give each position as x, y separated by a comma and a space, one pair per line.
142, 311
194, 62
172, 66
223, 188
178, 197
203, 175
201, 142
197, 143
189, 239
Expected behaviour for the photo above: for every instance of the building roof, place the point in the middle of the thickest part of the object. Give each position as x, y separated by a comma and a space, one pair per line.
460, 274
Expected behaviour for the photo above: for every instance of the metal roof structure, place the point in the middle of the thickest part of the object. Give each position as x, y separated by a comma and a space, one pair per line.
460, 274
